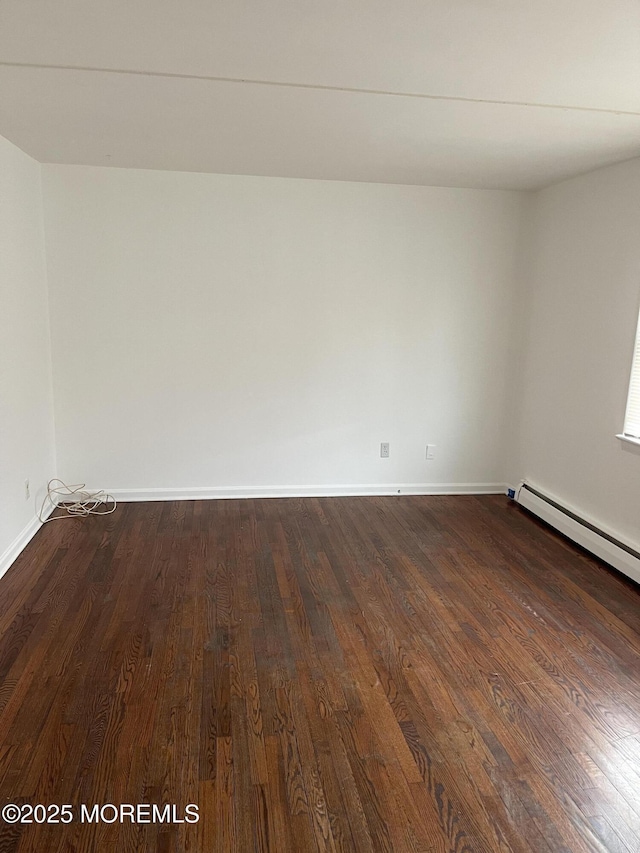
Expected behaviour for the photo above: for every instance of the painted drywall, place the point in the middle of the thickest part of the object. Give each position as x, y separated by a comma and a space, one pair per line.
26, 407
582, 301
226, 332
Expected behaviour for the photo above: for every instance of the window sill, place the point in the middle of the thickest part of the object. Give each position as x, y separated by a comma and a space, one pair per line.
628, 438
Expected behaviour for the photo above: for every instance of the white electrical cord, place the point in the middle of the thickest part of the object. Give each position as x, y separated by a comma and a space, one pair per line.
74, 501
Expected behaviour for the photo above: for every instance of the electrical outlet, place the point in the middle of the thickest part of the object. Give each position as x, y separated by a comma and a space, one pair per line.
431, 451
384, 450
27, 490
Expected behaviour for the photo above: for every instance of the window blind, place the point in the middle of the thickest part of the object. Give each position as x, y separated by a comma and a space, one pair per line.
632, 416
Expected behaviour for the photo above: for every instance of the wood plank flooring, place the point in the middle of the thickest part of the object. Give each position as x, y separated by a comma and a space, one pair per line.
339, 674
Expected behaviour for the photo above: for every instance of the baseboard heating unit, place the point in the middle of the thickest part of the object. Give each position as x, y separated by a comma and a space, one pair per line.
621, 556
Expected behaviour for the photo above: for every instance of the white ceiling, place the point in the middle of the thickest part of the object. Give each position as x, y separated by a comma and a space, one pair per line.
486, 93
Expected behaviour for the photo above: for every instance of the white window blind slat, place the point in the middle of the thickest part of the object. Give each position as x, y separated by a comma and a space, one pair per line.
632, 416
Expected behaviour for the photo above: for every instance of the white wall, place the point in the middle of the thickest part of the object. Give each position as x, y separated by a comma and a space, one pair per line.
582, 304
215, 331
26, 409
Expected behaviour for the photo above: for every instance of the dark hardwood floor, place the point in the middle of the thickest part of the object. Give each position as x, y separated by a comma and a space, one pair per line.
371, 674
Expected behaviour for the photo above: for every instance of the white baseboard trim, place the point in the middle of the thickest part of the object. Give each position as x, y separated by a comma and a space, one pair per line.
11, 554
582, 529
220, 493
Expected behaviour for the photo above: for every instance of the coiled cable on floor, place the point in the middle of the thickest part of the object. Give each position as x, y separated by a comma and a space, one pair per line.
74, 501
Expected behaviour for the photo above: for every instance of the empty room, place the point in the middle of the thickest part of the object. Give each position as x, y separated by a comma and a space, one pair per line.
320, 426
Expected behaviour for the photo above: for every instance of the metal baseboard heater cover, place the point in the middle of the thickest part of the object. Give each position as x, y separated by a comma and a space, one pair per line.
621, 556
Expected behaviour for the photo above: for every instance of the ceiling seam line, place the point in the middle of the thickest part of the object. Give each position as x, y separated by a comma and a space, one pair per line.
317, 87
